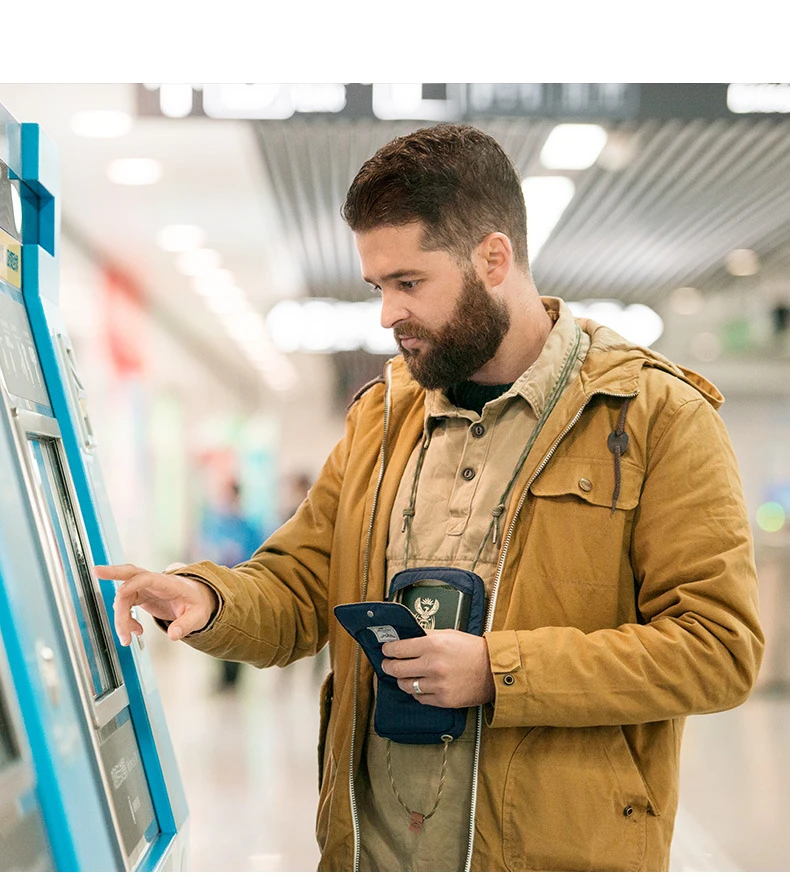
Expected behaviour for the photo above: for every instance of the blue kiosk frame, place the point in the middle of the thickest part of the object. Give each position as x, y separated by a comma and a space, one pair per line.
105, 774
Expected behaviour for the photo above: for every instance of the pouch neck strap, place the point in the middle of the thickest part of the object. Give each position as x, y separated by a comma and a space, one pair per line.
496, 513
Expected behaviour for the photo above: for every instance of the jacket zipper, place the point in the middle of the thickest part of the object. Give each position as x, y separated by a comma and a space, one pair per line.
365, 576
495, 592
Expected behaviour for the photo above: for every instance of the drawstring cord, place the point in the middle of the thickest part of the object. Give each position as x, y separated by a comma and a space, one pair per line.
408, 513
417, 819
618, 443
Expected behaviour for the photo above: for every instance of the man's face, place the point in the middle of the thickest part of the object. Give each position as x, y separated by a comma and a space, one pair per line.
445, 322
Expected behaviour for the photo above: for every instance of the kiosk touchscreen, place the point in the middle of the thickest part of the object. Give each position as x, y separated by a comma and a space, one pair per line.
133, 798
87, 631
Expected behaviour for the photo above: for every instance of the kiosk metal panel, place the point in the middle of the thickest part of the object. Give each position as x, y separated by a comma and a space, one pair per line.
23, 843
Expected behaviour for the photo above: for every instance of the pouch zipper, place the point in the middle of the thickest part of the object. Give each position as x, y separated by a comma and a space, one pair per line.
365, 577
495, 592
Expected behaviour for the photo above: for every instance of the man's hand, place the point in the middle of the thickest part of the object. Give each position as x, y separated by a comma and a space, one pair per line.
188, 604
452, 667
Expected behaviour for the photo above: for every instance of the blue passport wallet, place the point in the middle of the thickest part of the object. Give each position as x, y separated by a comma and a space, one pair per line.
440, 598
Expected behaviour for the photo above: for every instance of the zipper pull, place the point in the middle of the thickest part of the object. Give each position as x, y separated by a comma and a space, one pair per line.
496, 513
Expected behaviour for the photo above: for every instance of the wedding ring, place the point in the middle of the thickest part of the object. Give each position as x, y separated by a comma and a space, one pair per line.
416, 686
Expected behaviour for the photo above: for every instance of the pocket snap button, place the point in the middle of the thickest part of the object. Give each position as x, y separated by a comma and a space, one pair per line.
628, 810
509, 679
585, 484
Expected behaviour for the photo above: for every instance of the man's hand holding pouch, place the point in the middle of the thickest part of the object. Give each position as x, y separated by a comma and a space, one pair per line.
420, 599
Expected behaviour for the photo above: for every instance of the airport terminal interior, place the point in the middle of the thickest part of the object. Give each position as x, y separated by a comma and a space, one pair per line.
211, 299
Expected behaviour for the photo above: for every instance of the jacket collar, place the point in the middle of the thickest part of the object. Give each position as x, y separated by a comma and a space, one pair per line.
613, 365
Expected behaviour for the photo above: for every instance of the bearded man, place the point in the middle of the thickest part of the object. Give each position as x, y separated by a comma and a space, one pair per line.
571, 498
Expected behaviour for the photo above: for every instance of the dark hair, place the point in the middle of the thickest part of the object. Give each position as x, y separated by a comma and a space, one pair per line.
454, 178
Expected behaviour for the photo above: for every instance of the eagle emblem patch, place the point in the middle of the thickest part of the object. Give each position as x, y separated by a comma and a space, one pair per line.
425, 610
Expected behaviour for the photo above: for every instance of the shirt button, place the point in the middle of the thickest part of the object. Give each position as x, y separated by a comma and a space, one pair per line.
585, 484
478, 430
468, 473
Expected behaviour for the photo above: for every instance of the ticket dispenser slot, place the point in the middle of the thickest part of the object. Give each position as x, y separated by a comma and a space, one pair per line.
87, 630
24, 846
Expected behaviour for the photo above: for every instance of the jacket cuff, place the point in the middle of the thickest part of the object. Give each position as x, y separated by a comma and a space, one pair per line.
163, 625
510, 680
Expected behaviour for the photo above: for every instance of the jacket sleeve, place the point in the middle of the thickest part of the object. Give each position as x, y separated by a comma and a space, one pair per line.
698, 645
273, 609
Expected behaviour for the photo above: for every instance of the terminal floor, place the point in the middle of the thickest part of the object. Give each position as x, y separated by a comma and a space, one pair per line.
247, 757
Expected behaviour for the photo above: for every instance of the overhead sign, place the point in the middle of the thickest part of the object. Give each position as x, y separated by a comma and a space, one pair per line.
461, 101
390, 101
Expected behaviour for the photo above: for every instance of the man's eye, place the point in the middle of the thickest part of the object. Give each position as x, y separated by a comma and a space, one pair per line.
375, 288
408, 284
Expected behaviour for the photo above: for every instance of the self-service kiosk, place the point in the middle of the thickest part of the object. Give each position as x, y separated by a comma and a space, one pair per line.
106, 780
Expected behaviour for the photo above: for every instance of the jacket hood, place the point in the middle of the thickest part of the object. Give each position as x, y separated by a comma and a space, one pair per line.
614, 364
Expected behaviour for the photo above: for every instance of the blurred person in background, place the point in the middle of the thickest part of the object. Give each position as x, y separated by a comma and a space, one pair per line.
586, 483
227, 537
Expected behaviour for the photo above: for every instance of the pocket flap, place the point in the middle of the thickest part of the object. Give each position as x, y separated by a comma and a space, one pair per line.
592, 480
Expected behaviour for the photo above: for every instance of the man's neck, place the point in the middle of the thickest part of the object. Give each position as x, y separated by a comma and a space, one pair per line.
529, 328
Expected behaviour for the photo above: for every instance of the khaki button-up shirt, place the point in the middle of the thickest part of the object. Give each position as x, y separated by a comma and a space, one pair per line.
468, 464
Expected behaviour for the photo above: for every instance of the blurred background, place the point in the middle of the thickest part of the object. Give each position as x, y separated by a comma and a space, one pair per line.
221, 326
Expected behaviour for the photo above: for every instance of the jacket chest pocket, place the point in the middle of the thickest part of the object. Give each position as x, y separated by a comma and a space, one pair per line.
580, 544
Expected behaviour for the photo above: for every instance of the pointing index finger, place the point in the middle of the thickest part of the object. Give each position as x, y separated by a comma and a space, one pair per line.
125, 622
116, 572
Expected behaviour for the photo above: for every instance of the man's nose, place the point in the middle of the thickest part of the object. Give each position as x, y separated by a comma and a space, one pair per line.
392, 310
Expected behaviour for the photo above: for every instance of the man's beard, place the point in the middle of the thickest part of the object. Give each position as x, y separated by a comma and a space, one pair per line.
464, 345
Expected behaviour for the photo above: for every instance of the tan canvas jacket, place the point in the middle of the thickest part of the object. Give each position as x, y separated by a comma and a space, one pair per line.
625, 600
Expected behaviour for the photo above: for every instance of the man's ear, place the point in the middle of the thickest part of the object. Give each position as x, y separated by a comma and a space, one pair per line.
494, 258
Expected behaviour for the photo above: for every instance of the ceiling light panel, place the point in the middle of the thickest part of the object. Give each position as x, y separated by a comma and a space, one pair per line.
227, 301
213, 281
197, 261
134, 171
175, 99
742, 263
546, 197
686, 301
636, 322
573, 146
180, 237
101, 123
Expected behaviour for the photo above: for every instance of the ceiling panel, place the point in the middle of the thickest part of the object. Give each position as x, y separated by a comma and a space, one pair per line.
662, 208
692, 192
